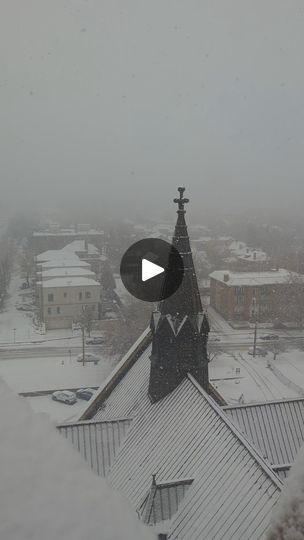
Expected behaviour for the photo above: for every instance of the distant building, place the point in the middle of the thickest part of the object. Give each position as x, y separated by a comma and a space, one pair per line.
55, 238
62, 300
244, 295
66, 281
247, 258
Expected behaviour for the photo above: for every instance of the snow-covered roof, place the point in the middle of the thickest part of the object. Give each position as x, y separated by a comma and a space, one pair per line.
51, 254
242, 251
80, 246
67, 272
186, 435
68, 232
275, 428
68, 262
105, 436
70, 282
243, 279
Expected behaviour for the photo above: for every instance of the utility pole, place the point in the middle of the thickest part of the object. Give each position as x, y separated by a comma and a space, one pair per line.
255, 326
255, 337
83, 345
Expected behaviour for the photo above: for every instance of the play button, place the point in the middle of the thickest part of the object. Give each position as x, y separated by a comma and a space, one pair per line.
152, 270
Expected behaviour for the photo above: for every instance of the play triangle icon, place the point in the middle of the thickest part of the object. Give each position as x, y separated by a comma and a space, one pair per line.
150, 270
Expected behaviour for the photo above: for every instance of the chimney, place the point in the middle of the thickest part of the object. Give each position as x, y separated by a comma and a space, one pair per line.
226, 277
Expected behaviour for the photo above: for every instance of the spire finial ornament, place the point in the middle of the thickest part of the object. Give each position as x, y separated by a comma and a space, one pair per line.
181, 201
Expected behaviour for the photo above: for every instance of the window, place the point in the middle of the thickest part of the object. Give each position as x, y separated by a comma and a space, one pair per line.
65, 295
238, 290
58, 309
50, 297
80, 296
87, 294
49, 311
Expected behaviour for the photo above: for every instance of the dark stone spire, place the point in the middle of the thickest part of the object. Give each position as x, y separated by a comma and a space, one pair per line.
179, 326
186, 300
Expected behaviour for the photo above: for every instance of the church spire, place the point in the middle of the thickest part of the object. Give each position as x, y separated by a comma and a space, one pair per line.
186, 300
179, 326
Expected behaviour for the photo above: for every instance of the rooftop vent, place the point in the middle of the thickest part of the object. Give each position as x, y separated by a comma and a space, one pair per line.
226, 277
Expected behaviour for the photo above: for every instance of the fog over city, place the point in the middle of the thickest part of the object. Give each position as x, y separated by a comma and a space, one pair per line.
109, 105
151, 269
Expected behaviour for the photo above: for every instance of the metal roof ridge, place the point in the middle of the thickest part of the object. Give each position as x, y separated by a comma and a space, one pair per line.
91, 422
175, 482
123, 363
259, 403
267, 468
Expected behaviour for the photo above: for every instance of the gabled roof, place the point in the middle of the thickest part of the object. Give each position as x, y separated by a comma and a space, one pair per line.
98, 442
186, 435
163, 500
276, 428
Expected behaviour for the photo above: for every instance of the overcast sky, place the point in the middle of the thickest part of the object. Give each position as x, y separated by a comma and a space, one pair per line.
113, 103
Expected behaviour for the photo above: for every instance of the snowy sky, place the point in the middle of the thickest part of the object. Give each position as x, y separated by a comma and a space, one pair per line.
103, 102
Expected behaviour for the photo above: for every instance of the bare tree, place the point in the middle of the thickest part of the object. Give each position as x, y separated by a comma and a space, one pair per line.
287, 300
136, 317
6, 264
87, 318
27, 265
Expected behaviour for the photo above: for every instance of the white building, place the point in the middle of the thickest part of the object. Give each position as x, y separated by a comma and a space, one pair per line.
63, 299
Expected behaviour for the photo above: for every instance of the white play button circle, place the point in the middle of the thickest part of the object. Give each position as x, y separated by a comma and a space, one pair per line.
149, 270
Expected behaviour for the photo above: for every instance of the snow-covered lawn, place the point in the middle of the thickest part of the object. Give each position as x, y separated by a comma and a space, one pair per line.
53, 372
252, 383
291, 365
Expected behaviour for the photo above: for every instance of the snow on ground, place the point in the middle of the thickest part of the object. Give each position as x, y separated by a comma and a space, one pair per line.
122, 292
46, 489
15, 325
291, 365
288, 517
253, 383
52, 373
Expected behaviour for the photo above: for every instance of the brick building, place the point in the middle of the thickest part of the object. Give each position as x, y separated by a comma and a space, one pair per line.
245, 295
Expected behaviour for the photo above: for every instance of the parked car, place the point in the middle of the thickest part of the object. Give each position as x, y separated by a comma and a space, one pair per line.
95, 340
64, 396
24, 307
88, 357
269, 337
258, 351
85, 393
